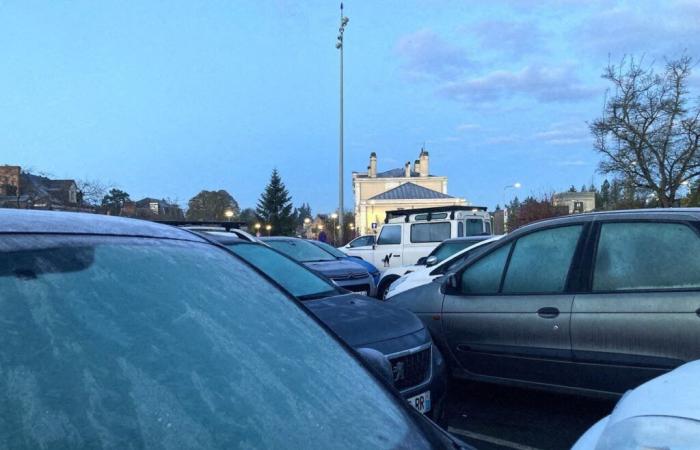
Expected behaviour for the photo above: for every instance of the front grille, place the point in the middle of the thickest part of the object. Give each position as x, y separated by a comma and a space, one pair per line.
412, 369
358, 288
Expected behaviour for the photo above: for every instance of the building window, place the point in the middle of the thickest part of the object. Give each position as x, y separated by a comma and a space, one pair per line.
153, 206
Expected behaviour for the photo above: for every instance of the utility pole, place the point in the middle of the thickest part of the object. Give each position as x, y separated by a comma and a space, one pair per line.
339, 45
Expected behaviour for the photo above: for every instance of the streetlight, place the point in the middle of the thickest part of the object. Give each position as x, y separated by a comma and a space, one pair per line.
257, 229
307, 220
339, 45
268, 228
228, 213
334, 216
515, 185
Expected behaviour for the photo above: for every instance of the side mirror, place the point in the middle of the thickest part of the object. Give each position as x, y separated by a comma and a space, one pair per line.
421, 261
378, 362
431, 261
450, 284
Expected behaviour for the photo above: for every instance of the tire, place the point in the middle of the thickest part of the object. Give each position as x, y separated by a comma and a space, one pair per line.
384, 286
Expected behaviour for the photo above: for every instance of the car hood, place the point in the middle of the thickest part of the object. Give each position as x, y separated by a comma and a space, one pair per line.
361, 320
338, 268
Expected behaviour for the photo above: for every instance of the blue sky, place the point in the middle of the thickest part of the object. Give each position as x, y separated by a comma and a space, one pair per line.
165, 98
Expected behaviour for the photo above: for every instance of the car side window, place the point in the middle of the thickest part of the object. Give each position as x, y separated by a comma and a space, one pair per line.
484, 276
430, 232
390, 234
540, 261
632, 256
361, 242
460, 229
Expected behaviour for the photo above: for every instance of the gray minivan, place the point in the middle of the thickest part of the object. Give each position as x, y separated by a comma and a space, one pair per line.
595, 303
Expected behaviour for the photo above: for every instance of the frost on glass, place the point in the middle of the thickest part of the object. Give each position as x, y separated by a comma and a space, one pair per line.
484, 276
135, 343
646, 256
540, 261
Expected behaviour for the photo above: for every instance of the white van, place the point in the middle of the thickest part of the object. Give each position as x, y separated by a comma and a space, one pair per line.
410, 234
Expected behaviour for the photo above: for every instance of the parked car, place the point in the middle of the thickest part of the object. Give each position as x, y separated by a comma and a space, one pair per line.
408, 235
118, 333
446, 249
418, 368
663, 413
592, 303
345, 273
424, 274
373, 271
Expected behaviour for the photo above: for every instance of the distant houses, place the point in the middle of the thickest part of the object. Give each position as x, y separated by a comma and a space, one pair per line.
20, 189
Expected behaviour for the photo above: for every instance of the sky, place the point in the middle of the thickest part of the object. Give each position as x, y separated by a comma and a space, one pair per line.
166, 98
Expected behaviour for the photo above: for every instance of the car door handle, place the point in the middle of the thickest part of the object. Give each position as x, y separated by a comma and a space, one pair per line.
396, 256
548, 312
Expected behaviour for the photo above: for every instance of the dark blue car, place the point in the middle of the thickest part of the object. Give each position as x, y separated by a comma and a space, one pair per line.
346, 273
373, 271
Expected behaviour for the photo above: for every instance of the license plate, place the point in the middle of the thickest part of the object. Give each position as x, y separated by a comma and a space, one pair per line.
361, 292
421, 402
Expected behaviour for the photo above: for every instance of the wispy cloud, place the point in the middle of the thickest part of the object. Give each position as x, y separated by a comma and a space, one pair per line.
542, 83
565, 133
427, 55
468, 126
512, 38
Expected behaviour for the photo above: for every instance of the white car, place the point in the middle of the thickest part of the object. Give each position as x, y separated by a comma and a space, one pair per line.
449, 254
663, 413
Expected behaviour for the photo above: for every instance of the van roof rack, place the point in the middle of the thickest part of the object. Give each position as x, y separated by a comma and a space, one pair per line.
226, 225
436, 209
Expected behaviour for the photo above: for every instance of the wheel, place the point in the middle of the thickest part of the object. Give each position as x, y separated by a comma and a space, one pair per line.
384, 287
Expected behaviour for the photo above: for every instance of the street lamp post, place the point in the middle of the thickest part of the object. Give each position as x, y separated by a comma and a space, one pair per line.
334, 216
515, 185
228, 213
339, 45
257, 229
268, 228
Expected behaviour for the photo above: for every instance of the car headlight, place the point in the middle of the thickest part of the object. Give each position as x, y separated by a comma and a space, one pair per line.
650, 433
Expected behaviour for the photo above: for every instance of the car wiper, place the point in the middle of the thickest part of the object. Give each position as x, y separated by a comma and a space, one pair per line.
315, 296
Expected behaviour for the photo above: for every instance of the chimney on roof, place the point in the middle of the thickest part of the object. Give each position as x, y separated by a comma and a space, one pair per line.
416, 166
372, 169
424, 163
407, 169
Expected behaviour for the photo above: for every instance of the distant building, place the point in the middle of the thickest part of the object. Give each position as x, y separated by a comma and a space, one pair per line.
25, 190
154, 209
577, 202
400, 188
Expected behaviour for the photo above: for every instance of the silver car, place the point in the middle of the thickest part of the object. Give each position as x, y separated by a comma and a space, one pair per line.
596, 303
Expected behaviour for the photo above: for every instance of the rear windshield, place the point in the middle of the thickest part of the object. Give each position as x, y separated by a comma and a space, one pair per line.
130, 343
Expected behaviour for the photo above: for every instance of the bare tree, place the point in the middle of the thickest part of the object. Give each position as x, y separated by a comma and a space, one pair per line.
92, 191
650, 133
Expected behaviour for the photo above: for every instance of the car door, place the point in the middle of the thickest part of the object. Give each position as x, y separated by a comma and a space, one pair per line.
508, 313
641, 316
388, 251
362, 247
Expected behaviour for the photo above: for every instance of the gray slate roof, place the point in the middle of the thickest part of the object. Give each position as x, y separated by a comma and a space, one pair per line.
410, 191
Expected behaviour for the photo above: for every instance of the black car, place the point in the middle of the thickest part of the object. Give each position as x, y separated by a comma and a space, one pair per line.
118, 333
346, 273
418, 367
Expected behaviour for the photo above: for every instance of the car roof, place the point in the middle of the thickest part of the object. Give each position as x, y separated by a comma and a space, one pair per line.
280, 238
632, 214
13, 221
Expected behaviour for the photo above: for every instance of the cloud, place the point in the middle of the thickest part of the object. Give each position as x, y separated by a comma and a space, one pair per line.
427, 55
656, 30
565, 133
543, 83
467, 126
572, 163
515, 39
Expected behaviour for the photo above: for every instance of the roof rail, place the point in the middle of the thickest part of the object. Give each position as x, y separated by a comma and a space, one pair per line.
228, 226
407, 212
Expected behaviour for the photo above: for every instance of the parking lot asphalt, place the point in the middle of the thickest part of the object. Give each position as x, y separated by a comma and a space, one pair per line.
491, 417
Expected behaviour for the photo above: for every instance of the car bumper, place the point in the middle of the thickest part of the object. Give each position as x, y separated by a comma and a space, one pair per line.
365, 284
435, 380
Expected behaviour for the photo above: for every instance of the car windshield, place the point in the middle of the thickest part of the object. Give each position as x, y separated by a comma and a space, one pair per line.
300, 250
447, 249
330, 249
144, 343
292, 276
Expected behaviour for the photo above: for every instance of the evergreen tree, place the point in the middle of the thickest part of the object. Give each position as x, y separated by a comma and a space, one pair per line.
212, 205
603, 199
275, 207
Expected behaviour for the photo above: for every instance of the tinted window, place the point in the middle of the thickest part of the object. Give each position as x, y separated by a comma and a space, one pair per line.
541, 260
363, 241
391, 234
447, 249
300, 250
293, 277
430, 232
474, 227
484, 276
646, 256
140, 343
